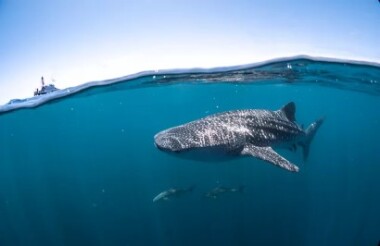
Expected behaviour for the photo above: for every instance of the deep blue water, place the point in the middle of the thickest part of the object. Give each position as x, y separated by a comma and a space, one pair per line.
83, 169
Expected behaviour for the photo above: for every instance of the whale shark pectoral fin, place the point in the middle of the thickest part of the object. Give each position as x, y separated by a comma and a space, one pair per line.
269, 155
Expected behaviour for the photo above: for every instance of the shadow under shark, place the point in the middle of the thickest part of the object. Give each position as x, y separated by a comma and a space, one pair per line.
251, 132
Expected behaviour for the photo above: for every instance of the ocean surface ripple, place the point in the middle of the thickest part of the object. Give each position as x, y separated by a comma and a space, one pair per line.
359, 76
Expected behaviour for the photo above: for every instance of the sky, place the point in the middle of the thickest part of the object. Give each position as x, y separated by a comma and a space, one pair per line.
72, 42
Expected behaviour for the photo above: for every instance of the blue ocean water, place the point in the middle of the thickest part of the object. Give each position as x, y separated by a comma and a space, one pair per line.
82, 169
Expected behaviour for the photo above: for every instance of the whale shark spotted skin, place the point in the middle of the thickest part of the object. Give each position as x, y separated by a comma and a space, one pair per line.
251, 132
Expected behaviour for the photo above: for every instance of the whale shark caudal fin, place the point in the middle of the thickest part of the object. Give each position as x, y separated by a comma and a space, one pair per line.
269, 155
310, 133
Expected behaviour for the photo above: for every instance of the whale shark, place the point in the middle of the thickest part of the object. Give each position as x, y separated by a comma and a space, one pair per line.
248, 132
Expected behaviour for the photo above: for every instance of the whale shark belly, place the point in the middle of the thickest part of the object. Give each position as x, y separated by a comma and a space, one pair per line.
209, 154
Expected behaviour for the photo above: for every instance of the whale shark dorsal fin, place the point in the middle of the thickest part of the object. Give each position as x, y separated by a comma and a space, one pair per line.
269, 155
289, 111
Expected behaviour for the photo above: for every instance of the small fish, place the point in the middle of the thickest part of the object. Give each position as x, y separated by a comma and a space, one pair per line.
220, 190
172, 192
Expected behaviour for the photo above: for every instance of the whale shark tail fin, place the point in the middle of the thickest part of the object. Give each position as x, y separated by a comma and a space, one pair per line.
310, 133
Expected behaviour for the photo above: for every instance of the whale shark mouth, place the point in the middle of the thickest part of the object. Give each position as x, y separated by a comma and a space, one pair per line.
165, 142
161, 147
